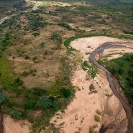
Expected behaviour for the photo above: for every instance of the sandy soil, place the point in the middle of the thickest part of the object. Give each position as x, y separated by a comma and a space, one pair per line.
80, 114
15, 126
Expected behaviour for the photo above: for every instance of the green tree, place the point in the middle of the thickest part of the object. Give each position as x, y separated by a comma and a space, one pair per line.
16, 114
45, 102
3, 98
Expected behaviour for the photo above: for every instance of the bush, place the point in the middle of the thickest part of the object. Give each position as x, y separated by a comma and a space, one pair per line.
42, 44
98, 112
66, 93
16, 114
92, 88
97, 118
36, 34
65, 26
91, 130
18, 81
30, 104
3, 98
27, 57
45, 102
55, 35
25, 74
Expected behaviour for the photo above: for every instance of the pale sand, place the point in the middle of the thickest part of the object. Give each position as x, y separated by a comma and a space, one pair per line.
15, 126
79, 115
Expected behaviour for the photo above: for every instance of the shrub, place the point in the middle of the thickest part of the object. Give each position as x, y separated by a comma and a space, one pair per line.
97, 118
16, 114
27, 57
42, 44
45, 102
98, 112
25, 74
65, 26
55, 35
91, 130
30, 104
18, 81
66, 93
38, 91
36, 34
34, 58
55, 104
3, 98
91, 87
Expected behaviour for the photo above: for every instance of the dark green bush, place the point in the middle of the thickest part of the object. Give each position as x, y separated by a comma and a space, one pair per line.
45, 102
18, 81
25, 74
3, 98
66, 92
16, 114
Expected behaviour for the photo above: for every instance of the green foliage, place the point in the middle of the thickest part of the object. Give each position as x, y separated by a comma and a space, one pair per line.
42, 44
18, 81
16, 114
97, 118
85, 66
65, 26
45, 102
89, 68
57, 38
36, 34
55, 35
3, 98
98, 112
66, 92
122, 69
25, 74
91, 130
27, 57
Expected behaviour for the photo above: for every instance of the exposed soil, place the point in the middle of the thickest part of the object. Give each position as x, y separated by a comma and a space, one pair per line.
15, 126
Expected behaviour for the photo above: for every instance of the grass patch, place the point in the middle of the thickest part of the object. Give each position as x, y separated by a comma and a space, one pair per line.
7, 76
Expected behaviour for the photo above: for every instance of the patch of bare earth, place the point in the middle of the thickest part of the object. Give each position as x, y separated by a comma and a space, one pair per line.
15, 126
80, 114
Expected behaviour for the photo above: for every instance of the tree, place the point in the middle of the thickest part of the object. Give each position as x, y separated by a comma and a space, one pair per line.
3, 98
16, 114
45, 102
66, 92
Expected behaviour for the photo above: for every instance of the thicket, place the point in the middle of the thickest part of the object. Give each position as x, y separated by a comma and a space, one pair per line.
122, 69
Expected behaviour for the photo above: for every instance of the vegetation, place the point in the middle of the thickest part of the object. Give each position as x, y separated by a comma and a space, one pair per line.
3, 98
89, 68
91, 130
34, 68
121, 68
97, 118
